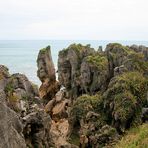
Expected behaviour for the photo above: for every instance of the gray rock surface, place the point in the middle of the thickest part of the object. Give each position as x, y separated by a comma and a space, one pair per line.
79, 72
11, 127
23, 121
46, 73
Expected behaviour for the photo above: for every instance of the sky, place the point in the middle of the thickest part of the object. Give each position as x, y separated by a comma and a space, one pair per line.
74, 19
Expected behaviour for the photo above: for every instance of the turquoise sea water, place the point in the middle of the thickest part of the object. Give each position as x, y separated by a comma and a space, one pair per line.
20, 55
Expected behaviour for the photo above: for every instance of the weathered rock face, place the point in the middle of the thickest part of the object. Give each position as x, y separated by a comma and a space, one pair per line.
94, 73
46, 73
131, 58
4, 75
119, 75
36, 129
20, 93
103, 93
23, 122
60, 127
46, 68
141, 49
82, 70
10, 126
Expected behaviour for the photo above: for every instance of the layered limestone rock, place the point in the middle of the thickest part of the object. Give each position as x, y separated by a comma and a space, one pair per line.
82, 70
4, 75
56, 101
21, 93
115, 81
46, 73
11, 127
103, 94
123, 58
23, 122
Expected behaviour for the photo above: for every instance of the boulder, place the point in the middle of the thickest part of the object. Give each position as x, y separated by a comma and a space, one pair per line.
59, 110
59, 132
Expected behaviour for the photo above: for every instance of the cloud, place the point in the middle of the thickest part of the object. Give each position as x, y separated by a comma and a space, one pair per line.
74, 19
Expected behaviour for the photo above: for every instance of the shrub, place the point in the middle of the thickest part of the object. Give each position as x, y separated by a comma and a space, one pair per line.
125, 97
135, 138
85, 104
100, 61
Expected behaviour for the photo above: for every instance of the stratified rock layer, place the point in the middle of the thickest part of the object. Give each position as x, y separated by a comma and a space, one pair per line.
82, 70
11, 127
23, 122
102, 94
46, 73
108, 89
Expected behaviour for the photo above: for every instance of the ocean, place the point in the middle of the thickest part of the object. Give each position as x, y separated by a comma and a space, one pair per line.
20, 55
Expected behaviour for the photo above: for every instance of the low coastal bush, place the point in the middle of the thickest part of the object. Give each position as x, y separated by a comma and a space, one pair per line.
84, 104
124, 98
100, 61
135, 138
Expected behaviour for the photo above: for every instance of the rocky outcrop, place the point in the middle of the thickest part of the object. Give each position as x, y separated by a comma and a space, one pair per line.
58, 108
46, 73
103, 94
36, 129
118, 75
142, 49
128, 58
80, 71
21, 93
4, 75
23, 122
11, 127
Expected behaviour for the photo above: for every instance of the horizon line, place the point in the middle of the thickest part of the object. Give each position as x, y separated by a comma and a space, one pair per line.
71, 40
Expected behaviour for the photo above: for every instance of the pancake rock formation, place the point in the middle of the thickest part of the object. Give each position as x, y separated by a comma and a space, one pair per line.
98, 97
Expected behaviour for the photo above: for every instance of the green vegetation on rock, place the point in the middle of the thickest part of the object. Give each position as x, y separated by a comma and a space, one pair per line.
116, 46
44, 49
9, 88
74, 138
135, 138
136, 62
99, 61
75, 47
84, 104
125, 97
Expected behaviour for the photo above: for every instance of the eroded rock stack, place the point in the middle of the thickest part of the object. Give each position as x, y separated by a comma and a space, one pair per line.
46, 73
82, 70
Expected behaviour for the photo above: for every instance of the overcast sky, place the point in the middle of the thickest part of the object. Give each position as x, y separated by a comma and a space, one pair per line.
74, 19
